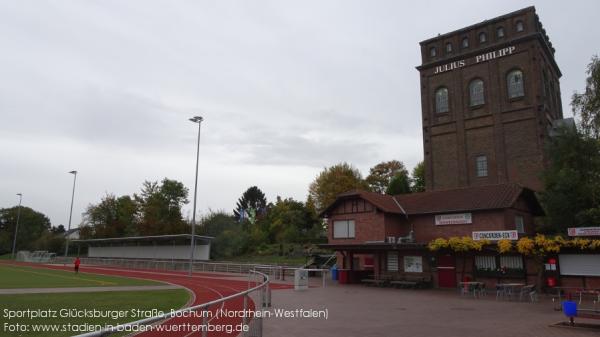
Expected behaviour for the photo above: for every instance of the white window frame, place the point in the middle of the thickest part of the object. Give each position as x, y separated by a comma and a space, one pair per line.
413, 264
441, 100
392, 261
520, 224
514, 84
476, 92
344, 229
481, 166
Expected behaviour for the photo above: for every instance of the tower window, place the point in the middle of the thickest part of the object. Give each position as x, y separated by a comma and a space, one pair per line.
481, 166
520, 26
482, 37
448, 48
441, 100
500, 32
432, 52
514, 83
476, 96
465, 42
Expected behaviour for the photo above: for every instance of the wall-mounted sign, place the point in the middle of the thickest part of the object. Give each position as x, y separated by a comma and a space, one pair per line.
453, 219
413, 264
477, 59
584, 231
495, 235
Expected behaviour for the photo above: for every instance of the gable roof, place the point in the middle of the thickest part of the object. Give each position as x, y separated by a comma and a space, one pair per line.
487, 197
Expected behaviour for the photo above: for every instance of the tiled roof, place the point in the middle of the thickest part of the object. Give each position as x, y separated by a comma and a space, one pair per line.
455, 200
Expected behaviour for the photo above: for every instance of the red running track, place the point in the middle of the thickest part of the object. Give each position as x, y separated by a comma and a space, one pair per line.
205, 287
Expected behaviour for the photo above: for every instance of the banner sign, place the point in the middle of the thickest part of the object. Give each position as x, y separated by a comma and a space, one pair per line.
584, 231
495, 235
453, 219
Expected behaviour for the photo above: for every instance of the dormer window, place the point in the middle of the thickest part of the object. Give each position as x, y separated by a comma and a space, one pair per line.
465, 42
482, 37
432, 52
448, 48
520, 26
500, 32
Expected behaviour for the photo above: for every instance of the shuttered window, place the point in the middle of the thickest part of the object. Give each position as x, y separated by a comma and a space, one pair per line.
485, 262
580, 264
392, 261
511, 262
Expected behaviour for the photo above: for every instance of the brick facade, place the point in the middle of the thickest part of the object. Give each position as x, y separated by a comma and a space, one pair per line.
510, 132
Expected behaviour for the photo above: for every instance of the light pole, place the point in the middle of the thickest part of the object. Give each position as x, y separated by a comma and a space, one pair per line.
74, 173
195, 119
17, 225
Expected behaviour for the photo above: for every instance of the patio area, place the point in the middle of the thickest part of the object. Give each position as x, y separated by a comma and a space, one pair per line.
358, 310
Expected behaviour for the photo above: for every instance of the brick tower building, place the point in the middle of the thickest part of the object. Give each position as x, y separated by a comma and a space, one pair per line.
490, 95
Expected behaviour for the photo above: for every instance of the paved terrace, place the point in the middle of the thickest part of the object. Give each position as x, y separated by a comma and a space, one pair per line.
358, 310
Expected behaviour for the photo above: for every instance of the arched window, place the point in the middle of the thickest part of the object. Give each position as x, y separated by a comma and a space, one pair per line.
441, 100
432, 52
500, 32
514, 83
465, 42
476, 93
520, 26
448, 48
482, 37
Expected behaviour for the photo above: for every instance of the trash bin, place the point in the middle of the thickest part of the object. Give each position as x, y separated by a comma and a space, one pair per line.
343, 276
569, 308
334, 273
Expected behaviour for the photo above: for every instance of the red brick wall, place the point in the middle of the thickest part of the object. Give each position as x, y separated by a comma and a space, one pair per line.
368, 226
426, 230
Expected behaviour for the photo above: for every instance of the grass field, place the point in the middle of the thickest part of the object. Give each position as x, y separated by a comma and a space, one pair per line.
26, 277
125, 303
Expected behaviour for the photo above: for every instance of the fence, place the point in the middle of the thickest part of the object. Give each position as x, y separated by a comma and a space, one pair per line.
274, 271
257, 297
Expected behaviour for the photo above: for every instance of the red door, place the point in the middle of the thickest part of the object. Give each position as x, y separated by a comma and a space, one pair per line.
446, 271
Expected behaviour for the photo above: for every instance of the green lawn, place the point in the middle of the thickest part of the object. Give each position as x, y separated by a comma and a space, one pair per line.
125, 304
27, 277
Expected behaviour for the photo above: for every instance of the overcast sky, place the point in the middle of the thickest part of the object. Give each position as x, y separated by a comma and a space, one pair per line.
286, 88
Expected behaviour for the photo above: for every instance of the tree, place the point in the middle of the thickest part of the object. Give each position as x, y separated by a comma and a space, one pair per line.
32, 225
571, 196
400, 184
251, 203
231, 239
418, 178
587, 105
290, 221
112, 217
160, 207
332, 181
381, 175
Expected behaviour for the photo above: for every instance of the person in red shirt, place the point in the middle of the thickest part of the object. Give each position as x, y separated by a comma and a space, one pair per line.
77, 263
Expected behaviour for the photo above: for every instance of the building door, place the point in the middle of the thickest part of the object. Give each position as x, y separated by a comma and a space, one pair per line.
446, 271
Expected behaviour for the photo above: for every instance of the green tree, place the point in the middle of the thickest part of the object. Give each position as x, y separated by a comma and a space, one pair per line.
252, 203
160, 207
571, 195
112, 217
231, 239
290, 221
418, 178
586, 105
381, 175
400, 184
32, 225
332, 181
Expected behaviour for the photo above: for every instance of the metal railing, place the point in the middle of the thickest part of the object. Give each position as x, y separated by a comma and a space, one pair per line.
260, 295
274, 271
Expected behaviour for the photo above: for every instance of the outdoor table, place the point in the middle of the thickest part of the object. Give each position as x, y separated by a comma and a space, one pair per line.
467, 287
508, 289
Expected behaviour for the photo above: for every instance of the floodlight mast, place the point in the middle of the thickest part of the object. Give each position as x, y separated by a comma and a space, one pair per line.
74, 173
17, 226
195, 119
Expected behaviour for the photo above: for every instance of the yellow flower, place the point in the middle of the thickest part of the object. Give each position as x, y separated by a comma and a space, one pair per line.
504, 246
